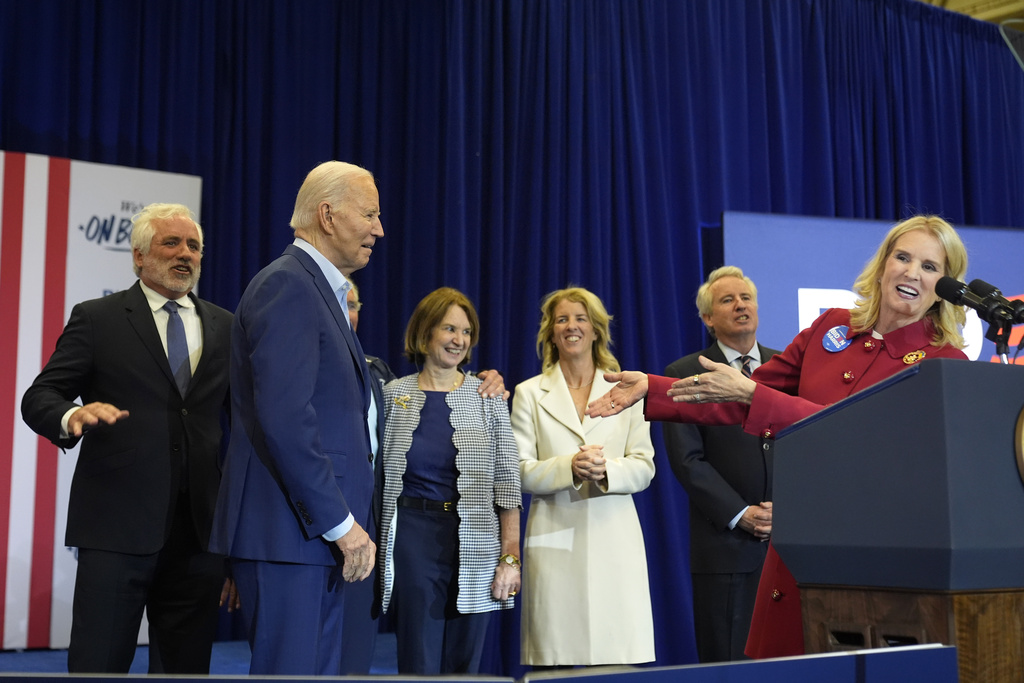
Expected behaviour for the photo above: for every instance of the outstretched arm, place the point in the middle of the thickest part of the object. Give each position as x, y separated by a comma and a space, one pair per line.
631, 387
721, 383
93, 415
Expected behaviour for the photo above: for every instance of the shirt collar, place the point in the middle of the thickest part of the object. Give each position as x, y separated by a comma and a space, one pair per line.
339, 283
913, 337
732, 354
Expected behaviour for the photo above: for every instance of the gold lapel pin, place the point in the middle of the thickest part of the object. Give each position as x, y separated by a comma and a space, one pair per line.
913, 357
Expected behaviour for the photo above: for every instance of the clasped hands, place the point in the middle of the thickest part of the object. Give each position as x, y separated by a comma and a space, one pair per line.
589, 464
757, 520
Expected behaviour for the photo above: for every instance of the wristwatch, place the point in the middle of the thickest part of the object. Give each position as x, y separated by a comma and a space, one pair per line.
510, 560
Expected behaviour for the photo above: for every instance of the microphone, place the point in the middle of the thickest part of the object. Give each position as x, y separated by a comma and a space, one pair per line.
989, 308
987, 292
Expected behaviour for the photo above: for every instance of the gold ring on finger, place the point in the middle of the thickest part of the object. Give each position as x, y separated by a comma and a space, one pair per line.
696, 378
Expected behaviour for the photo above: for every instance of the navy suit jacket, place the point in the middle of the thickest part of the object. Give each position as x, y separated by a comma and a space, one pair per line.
298, 460
128, 473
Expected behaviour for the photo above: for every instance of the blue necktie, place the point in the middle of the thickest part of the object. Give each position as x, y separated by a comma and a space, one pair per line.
746, 366
177, 347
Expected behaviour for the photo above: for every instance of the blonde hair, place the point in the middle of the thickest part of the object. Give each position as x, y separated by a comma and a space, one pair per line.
547, 351
947, 318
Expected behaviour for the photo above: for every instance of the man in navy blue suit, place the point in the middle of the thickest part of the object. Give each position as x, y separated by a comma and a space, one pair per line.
296, 493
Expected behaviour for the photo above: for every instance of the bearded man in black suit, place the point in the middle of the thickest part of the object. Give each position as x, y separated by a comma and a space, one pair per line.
145, 484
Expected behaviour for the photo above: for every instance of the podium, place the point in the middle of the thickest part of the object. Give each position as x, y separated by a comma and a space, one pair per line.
900, 511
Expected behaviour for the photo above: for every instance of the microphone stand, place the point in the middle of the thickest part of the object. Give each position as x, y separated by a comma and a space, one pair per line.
1003, 315
999, 332
1011, 317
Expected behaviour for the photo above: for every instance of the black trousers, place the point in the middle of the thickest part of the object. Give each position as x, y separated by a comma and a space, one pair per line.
432, 636
179, 587
723, 605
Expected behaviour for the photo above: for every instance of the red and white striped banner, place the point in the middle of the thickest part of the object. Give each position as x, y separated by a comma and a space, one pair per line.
65, 231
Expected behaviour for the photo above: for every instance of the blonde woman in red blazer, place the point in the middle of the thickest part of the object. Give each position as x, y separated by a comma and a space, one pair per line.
898, 321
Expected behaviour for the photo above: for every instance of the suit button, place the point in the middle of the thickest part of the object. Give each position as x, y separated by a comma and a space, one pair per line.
776, 595
184, 411
869, 345
848, 376
768, 434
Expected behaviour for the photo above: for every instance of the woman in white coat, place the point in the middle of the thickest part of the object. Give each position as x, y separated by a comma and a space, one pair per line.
586, 598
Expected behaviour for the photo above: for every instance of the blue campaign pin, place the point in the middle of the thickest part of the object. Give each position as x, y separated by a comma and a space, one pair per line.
835, 339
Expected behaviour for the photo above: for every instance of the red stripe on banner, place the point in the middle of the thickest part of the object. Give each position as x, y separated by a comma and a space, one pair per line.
41, 588
10, 298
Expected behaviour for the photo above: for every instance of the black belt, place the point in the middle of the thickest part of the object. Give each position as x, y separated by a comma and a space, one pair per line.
426, 504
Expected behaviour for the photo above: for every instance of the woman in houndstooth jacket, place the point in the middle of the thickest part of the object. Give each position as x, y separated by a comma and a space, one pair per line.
449, 535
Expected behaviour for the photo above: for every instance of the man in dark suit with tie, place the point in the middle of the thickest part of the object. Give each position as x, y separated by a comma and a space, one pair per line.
149, 364
727, 475
296, 494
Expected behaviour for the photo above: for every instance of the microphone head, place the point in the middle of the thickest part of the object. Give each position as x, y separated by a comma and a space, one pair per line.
983, 289
951, 289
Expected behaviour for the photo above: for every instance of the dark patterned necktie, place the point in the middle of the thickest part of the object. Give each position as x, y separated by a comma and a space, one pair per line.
746, 365
177, 347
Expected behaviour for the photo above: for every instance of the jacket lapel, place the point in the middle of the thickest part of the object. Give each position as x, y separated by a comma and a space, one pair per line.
714, 352
340, 316
598, 389
140, 317
557, 402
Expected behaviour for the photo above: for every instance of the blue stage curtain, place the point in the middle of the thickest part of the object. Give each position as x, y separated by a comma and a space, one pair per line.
522, 145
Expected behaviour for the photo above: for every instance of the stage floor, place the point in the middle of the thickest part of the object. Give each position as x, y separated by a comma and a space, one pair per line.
229, 659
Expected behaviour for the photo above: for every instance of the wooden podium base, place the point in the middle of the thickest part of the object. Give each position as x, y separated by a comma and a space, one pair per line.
987, 627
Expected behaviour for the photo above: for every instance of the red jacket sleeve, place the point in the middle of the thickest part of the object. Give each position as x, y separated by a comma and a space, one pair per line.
659, 407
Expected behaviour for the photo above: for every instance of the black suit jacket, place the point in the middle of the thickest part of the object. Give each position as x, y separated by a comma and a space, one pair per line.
129, 474
380, 374
723, 469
